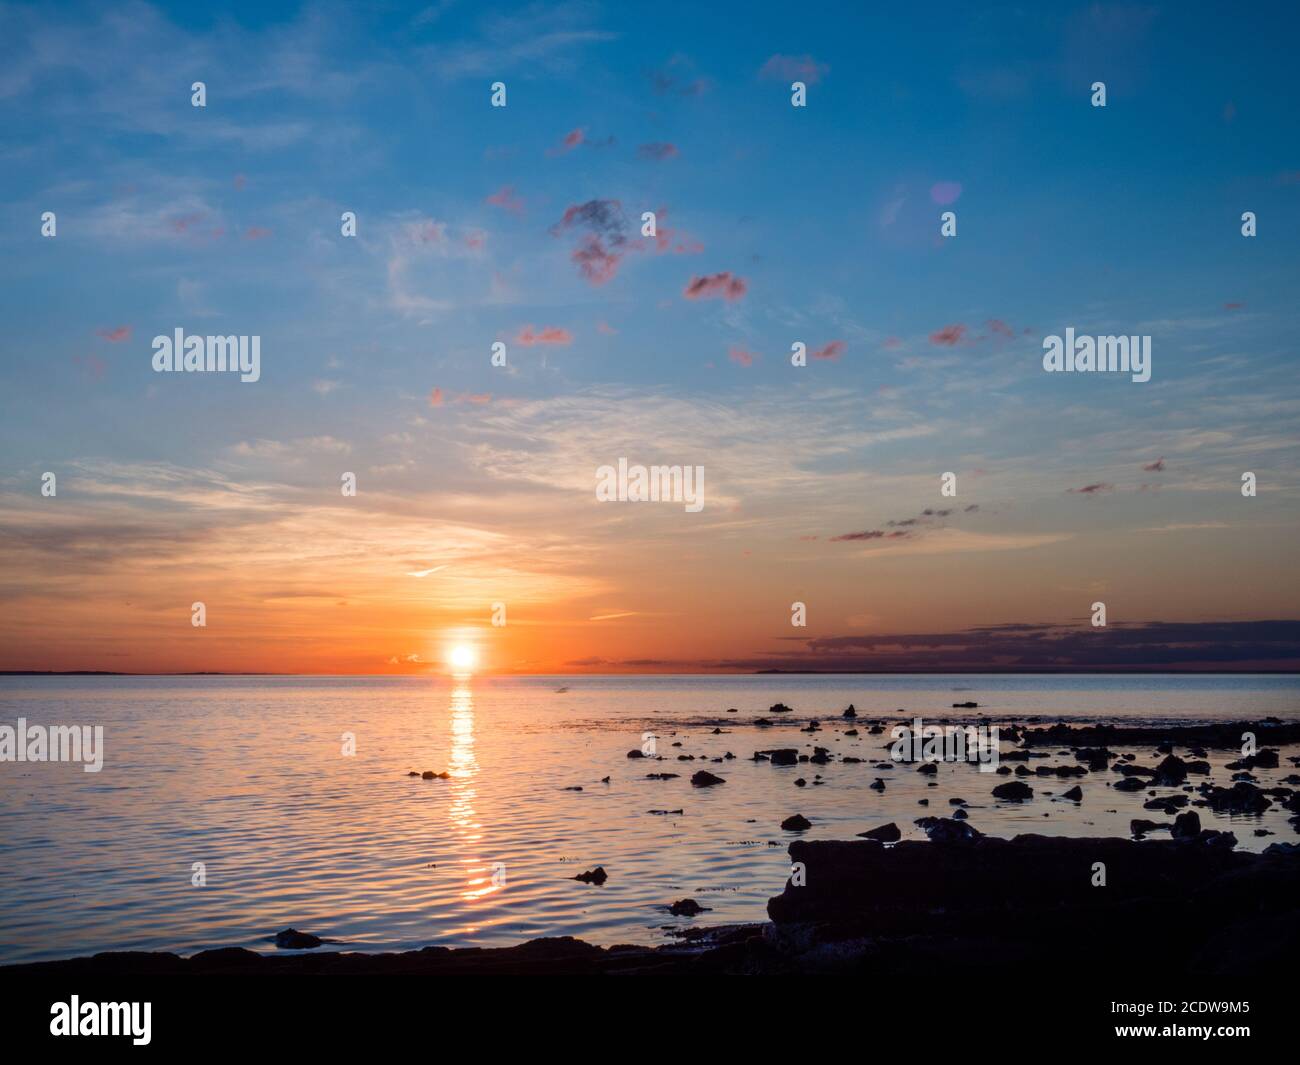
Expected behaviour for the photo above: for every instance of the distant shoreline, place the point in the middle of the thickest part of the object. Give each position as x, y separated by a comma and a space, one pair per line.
1195, 672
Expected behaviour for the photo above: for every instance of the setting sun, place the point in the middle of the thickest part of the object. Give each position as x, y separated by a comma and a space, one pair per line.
461, 657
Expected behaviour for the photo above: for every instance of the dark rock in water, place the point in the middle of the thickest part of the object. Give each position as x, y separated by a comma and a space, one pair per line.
1096, 757
664, 812
1075, 793
1167, 804
783, 756
922, 802
877, 785
636, 752
1131, 784
1241, 798
762, 722
604, 780
1013, 791
850, 732
1139, 826
1260, 760
800, 783
959, 814
1223, 735
948, 830
928, 768
779, 708
885, 833
292, 939
812, 726
1171, 772
850, 712
1186, 826
573, 787
848, 759
1287, 850
593, 876
796, 823
413, 773
1198, 767
686, 908
662, 776
429, 774
1128, 769
1060, 771
964, 706
717, 732
875, 730
705, 779
732, 710
957, 802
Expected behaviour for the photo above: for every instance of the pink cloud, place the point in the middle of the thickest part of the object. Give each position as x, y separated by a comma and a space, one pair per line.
1092, 489
998, 326
476, 398
949, 335
716, 286
115, 336
741, 357
256, 233
657, 150
571, 140
506, 199
601, 249
551, 334
435, 398
596, 262
945, 192
794, 68
831, 352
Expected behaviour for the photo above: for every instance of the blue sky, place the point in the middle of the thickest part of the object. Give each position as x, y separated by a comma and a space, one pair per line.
226, 220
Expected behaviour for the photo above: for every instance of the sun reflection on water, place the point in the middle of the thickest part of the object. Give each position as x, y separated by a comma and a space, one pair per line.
464, 768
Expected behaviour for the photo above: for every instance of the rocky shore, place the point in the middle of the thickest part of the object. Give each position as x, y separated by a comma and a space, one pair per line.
971, 907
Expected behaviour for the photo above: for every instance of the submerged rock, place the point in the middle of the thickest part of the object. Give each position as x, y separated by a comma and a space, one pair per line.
292, 939
1075, 793
687, 908
948, 830
593, 876
796, 823
1013, 791
705, 779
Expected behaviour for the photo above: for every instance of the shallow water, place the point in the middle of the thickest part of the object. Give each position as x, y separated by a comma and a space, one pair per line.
246, 775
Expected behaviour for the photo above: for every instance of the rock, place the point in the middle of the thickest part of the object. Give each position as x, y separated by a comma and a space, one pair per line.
800, 783
1241, 798
292, 939
1130, 784
1075, 794
964, 706
1186, 826
1167, 804
662, 776
948, 830
1260, 760
1013, 791
929, 769
593, 876
850, 732
959, 815
687, 908
783, 756
429, 774
1140, 826
885, 833
636, 752
796, 823
705, 779
413, 773
1171, 772
664, 812
762, 722
850, 712
779, 708
877, 785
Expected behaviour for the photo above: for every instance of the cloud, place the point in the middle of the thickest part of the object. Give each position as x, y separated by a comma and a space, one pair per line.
551, 334
570, 141
677, 78
945, 192
602, 242
716, 286
256, 233
1092, 489
506, 199
949, 335
741, 357
115, 335
435, 398
657, 150
831, 352
1155, 467
869, 534
794, 68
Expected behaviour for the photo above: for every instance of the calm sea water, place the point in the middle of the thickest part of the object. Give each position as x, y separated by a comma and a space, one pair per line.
247, 776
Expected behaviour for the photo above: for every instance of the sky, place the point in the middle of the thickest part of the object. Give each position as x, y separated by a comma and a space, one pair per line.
522, 224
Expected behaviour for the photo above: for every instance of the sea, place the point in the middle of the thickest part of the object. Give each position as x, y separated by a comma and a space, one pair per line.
229, 808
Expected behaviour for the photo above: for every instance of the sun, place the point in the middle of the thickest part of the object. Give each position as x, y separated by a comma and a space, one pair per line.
461, 658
